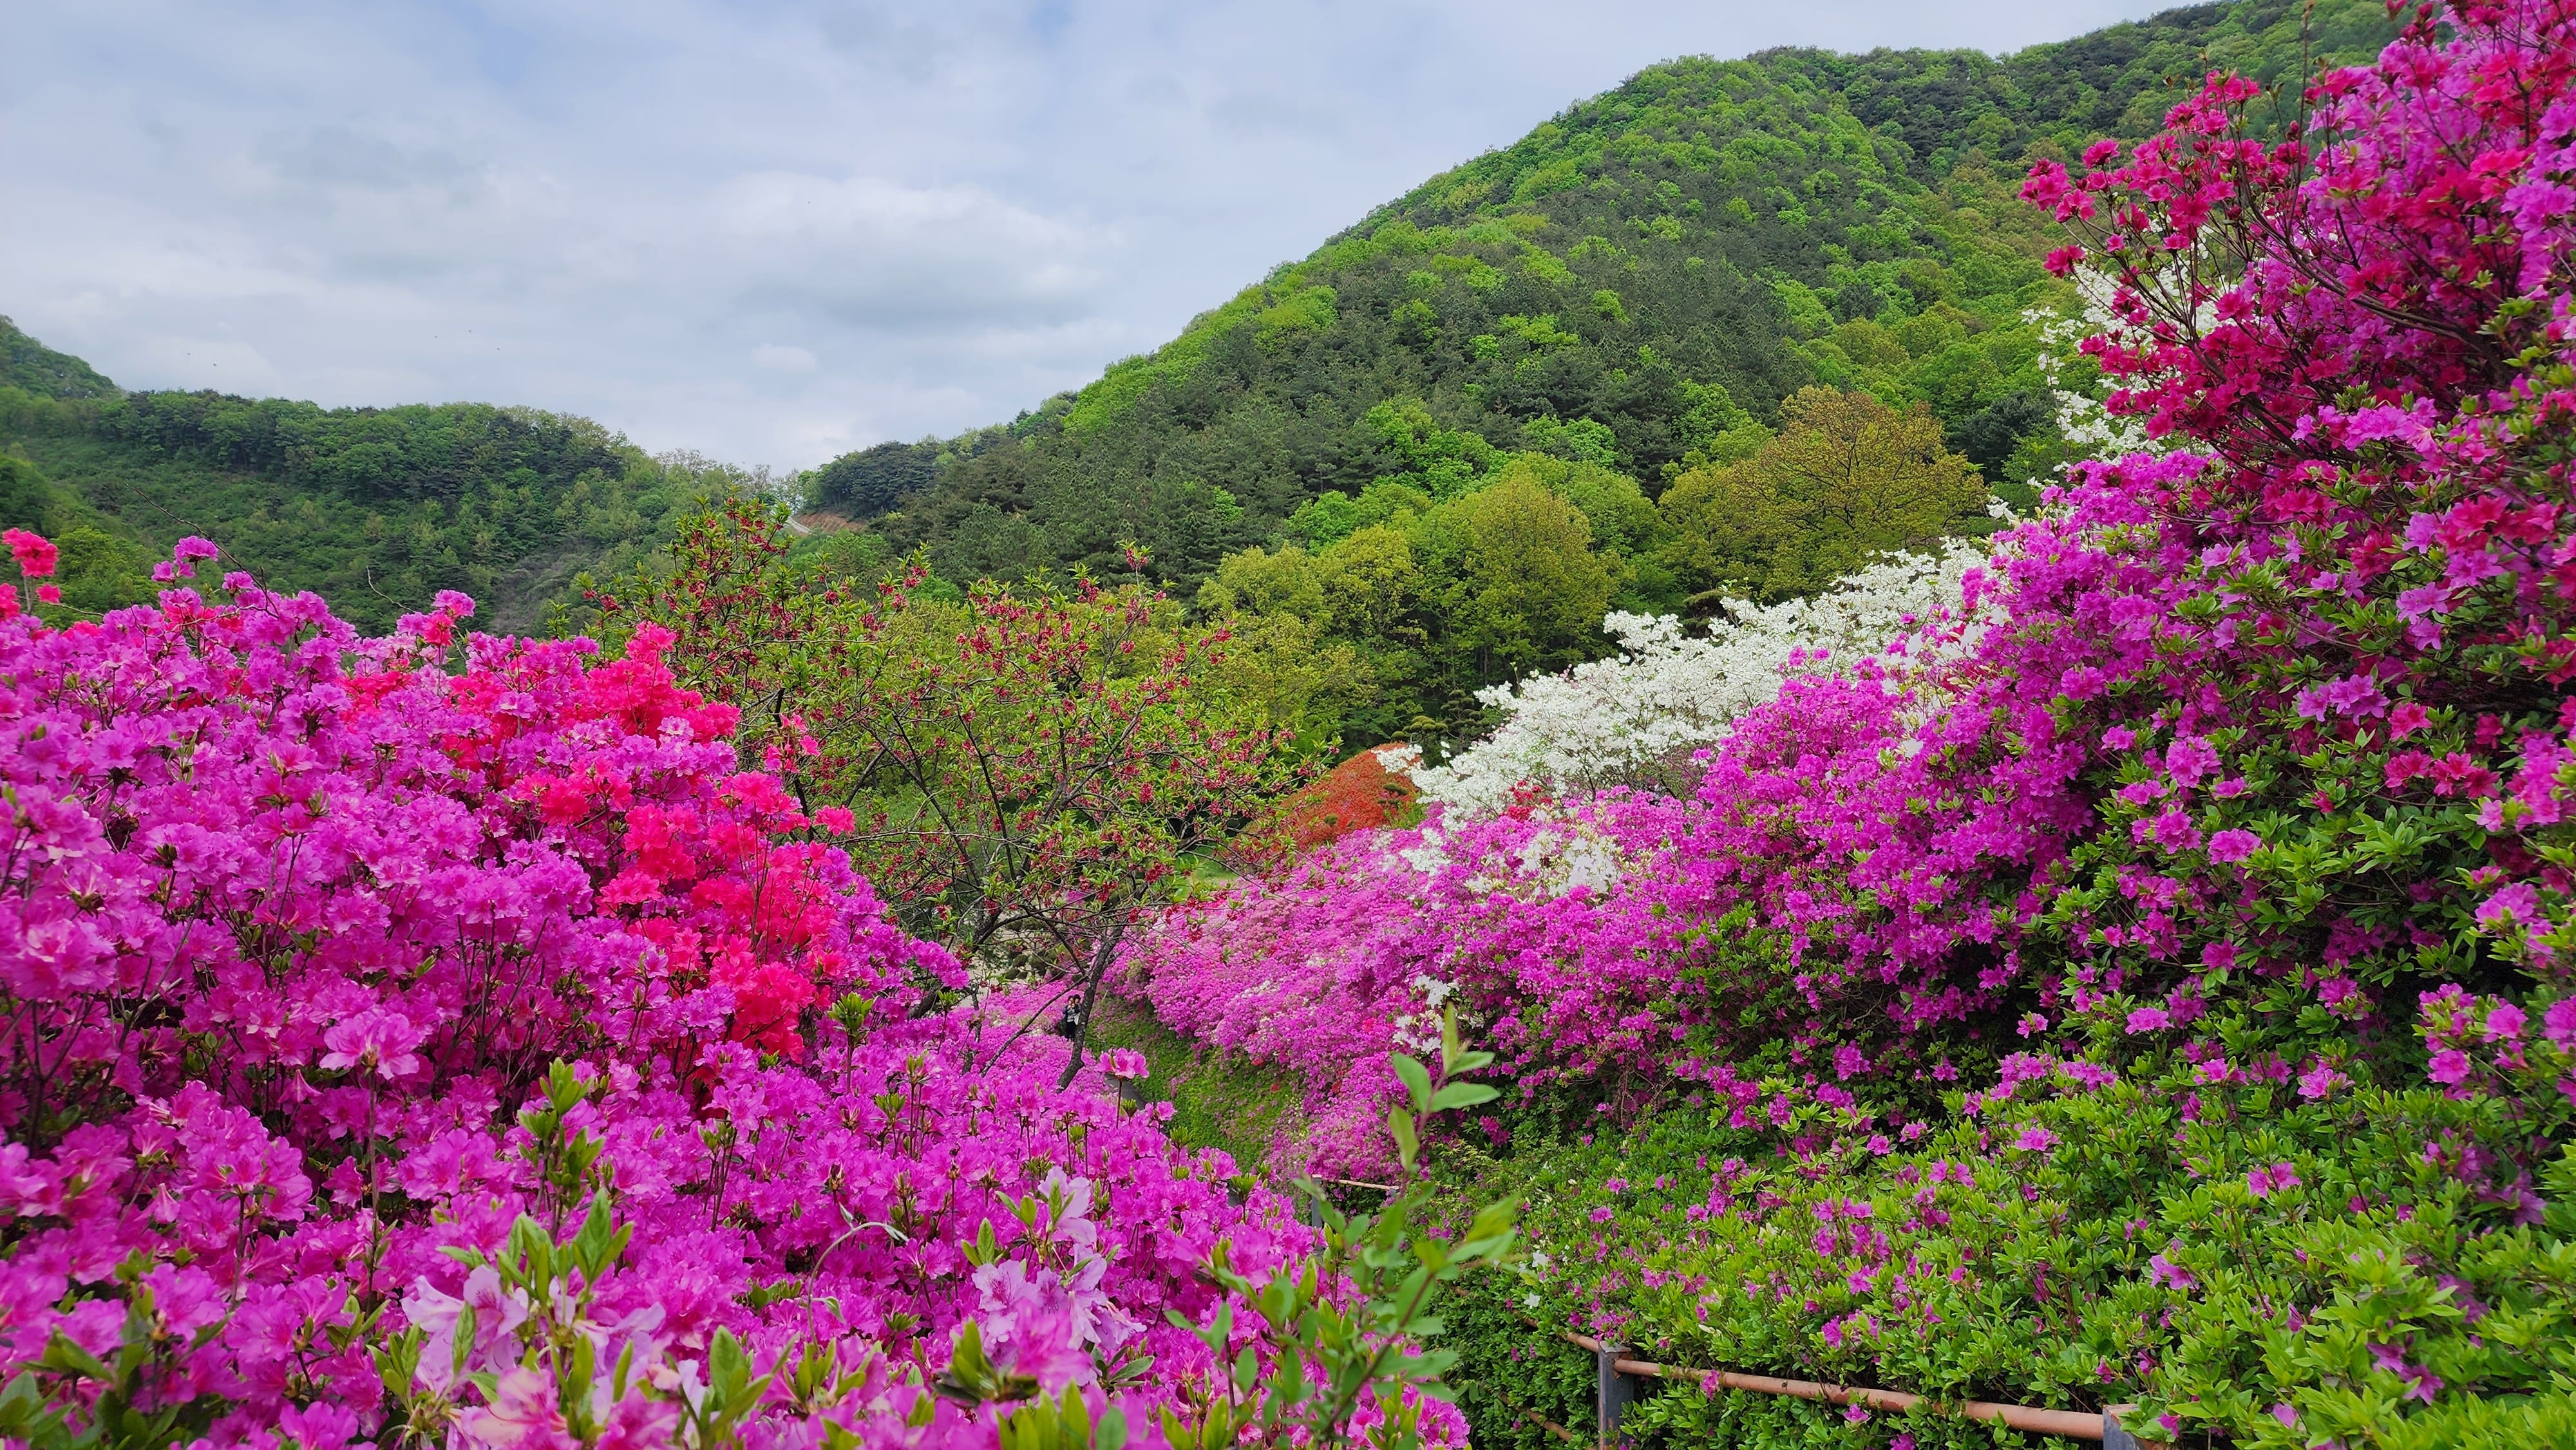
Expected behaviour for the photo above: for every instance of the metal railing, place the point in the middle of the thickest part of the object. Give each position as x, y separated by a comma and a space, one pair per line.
1617, 1377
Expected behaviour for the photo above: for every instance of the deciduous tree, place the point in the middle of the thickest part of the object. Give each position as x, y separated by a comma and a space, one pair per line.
1023, 772
1847, 477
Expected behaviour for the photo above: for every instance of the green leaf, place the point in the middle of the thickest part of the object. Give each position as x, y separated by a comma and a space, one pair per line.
62, 1353
1077, 1415
466, 1329
1417, 1081
1400, 1123
1462, 1095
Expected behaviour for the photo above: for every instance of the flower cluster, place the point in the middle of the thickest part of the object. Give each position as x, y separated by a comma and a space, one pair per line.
1634, 719
1371, 789
444, 1036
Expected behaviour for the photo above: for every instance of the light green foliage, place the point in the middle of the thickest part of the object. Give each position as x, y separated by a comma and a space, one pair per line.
1622, 521
1056, 1424
1308, 310
2277, 1267
1346, 1329
1584, 440
1848, 477
1431, 599
1519, 584
1329, 518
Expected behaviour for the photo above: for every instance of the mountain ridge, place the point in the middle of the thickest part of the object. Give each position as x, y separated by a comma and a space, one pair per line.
377, 508
1808, 190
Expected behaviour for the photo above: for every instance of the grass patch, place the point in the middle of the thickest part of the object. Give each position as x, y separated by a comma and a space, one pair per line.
1219, 1099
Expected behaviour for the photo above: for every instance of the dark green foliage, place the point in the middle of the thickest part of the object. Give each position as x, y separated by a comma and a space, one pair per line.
378, 509
31, 367
869, 482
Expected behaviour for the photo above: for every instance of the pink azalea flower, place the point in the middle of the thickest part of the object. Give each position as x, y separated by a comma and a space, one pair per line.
35, 553
374, 1040
2233, 845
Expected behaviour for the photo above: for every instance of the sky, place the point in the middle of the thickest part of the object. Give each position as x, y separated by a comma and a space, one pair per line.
767, 231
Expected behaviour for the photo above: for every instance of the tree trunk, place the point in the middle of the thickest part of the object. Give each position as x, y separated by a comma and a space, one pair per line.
1091, 994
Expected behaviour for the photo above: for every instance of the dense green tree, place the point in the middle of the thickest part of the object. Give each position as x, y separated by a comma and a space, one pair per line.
1520, 587
1430, 601
1847, 477
873, 480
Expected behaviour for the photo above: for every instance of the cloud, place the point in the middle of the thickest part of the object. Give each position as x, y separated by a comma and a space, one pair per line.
767, 233
1245, 112
905, 47
342, 156
778, 359
885, 257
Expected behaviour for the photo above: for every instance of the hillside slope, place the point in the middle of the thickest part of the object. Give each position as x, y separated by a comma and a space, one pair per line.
377, 508
1669, 260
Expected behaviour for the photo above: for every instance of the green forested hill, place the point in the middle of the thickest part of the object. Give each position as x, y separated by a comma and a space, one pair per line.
1705, 239
38, 370
1424, 459
1417, 462
376, 508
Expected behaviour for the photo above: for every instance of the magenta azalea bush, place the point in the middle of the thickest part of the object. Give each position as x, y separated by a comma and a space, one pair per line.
2251, 812
400, 1050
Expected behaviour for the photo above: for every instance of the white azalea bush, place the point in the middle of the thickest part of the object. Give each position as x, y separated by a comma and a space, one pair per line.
1635, 718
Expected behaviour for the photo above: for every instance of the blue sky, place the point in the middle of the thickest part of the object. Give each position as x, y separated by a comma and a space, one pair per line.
765, 231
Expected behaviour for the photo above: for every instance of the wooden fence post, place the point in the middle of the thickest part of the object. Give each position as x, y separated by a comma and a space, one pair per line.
1613, 1393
